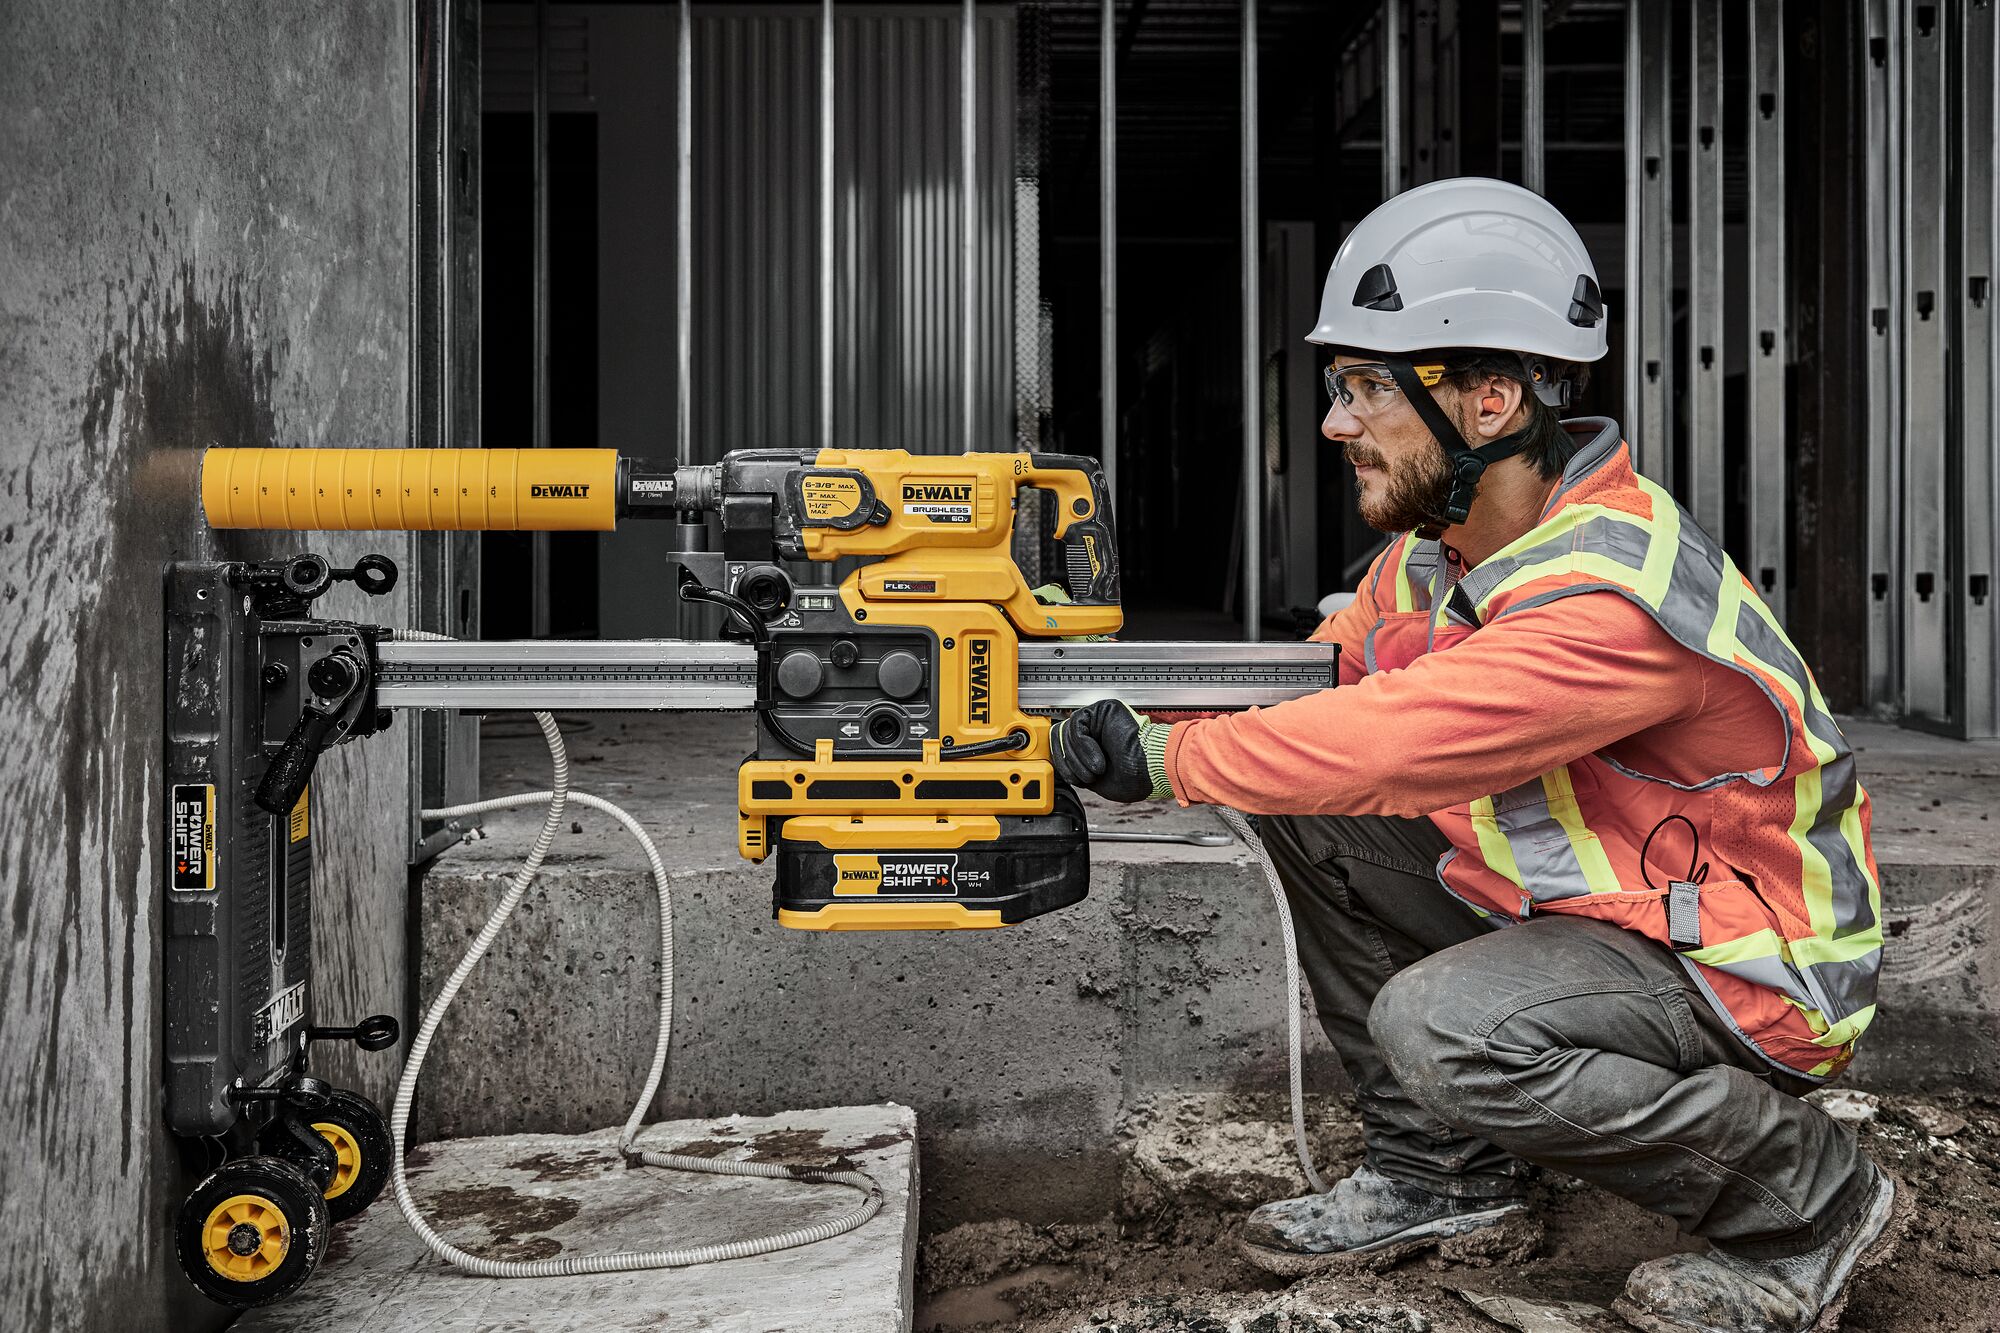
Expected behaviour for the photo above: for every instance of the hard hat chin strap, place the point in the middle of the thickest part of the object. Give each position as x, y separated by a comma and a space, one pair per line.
1468, 464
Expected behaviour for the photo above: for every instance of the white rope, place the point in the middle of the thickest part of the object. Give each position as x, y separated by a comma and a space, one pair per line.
1240, 826
558, 798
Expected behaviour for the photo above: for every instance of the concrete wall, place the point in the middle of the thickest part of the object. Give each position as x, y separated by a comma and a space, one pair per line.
203, 240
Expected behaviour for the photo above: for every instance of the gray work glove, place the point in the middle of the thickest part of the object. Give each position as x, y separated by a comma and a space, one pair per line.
1113, 751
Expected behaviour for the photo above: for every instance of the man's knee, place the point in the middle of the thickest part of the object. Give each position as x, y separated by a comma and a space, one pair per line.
1422, 1022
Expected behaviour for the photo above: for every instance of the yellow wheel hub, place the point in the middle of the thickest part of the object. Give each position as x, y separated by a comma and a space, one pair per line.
347, 1155
246, 1237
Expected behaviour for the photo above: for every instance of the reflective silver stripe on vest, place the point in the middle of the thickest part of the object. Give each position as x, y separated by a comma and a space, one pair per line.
1544, 857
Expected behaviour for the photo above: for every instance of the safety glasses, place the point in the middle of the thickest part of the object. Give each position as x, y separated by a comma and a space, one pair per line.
1368, 389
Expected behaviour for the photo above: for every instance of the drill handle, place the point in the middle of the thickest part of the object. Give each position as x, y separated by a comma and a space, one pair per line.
1082, 542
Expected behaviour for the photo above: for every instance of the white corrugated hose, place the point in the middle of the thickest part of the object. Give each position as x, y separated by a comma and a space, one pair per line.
1240, 826
558, 798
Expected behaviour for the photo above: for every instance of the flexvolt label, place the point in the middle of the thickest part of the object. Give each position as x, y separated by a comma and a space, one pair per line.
192, 816
940, 501
979, 680
908, 874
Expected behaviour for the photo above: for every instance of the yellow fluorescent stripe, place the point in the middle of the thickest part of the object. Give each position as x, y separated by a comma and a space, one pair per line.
1758, 944
1823, 950
1809, 787
1850, 830
1847, 1029
1602, 568
1493, 848
1801, 691
1814, 1018
1405, 599
1589, 852
1722, 633
1664, 541
1818, 882
1815, 875
1565, 519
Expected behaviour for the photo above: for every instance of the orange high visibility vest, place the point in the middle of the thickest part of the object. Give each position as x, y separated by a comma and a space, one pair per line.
1784, 937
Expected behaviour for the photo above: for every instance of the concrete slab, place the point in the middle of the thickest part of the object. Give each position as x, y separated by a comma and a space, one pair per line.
537, 1196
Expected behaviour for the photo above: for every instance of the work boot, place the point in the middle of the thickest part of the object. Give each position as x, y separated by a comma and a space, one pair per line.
1717, 1292
1369, 1218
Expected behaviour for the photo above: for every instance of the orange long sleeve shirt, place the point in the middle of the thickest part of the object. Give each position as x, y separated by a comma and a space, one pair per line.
1534, 689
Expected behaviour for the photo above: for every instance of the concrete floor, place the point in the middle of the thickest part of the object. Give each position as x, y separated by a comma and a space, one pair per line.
536, 1196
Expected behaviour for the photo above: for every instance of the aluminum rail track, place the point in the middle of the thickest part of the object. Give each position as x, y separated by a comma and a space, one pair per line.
674, 674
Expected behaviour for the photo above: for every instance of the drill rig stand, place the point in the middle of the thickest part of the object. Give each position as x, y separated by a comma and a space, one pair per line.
246, 664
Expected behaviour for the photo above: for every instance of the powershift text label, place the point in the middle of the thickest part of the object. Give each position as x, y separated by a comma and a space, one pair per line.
903, 874
193, 820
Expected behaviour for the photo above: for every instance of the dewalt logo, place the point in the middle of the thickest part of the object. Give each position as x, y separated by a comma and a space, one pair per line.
979, 680
551, 491
938, 500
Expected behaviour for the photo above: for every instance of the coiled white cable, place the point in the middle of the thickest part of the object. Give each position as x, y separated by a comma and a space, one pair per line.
1240, 826
558, 797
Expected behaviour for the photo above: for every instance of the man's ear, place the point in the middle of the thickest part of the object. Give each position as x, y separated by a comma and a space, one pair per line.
1498, 403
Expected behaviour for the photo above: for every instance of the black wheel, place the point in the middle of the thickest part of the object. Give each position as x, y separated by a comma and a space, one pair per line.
361, 1144
252, 1232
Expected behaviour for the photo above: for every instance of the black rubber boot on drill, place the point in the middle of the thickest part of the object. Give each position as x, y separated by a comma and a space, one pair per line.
1372, 1220
1718, 1292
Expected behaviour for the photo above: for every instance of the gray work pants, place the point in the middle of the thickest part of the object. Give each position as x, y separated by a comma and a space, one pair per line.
1559, 1041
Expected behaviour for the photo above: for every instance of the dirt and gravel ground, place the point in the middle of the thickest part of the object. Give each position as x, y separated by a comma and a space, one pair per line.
1168, 1264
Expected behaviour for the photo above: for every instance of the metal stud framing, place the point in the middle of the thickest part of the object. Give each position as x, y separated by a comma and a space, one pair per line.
444, 369
826, 229
684, 239
1533, 115
1107, 240
1882, 94
1707, 290
1392, 97
1926, 617
1769, 349
1253, 370
968, 239
540, 594
1973, 434
1649, 248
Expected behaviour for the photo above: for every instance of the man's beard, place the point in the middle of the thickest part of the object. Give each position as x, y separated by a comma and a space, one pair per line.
1415, 491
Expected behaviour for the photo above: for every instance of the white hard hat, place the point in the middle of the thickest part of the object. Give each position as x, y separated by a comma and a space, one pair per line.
1467, 262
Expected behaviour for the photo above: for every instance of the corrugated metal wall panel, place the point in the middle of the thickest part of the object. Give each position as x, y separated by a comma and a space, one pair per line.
898, 209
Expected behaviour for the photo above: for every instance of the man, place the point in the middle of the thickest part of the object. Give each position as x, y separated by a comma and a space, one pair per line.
1577, 857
